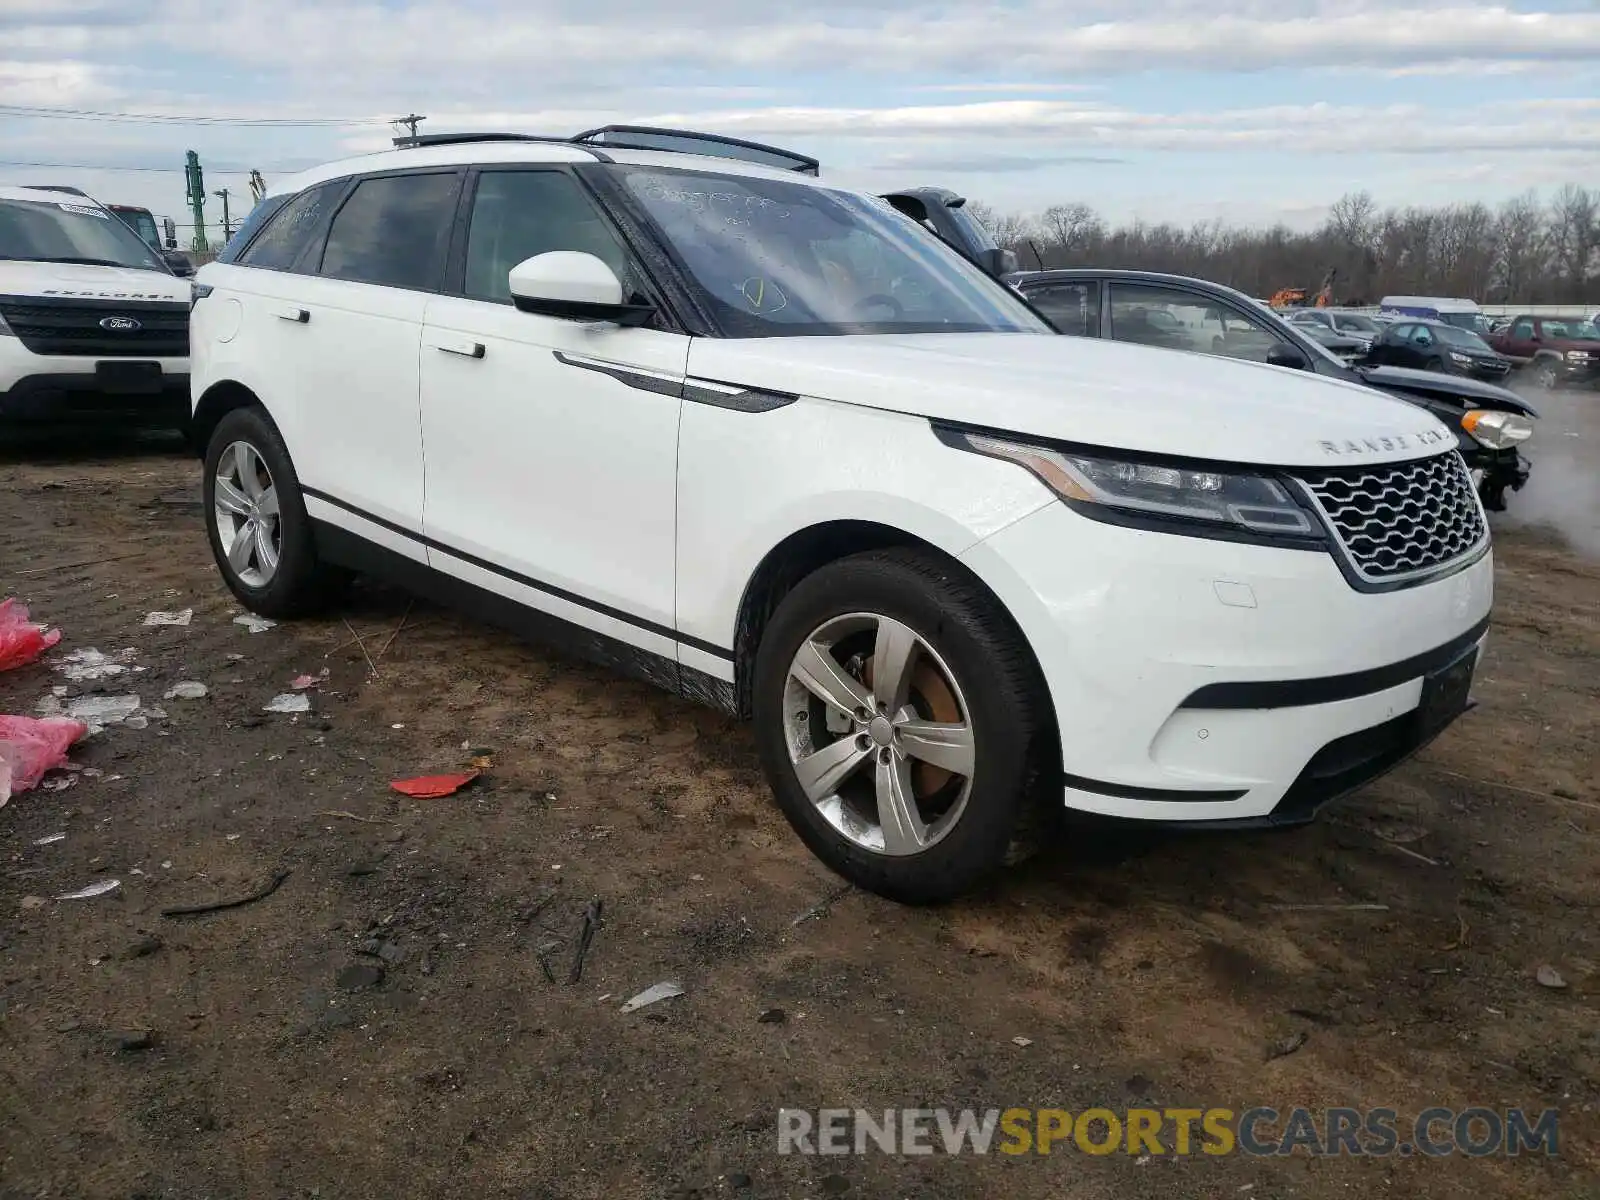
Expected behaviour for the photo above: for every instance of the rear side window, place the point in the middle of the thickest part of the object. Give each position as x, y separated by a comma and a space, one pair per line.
285, 231
394, 231
1072, 307
1522, 329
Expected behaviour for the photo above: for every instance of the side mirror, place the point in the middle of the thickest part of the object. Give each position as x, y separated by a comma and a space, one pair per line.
179, 263
998, 262
1285, 355
575, 286
169, 230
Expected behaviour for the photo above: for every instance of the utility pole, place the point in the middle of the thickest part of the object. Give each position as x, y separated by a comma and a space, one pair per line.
195, 194
227, 223
410, 121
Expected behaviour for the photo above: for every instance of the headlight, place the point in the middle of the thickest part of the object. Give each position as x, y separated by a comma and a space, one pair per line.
1460, 359
5, 330
1495, 429
197, 293
1577, 356
1171, 497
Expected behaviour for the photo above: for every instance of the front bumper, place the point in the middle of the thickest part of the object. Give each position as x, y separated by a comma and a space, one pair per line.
1197, 681
73, 392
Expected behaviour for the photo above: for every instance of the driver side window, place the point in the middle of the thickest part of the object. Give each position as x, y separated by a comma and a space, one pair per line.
1522, 329
1162, 316
1421, 336
518, 214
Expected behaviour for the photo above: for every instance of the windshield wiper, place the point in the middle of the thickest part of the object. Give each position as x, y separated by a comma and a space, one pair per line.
83, 262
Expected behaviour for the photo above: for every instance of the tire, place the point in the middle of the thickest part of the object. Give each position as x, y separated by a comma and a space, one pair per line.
1435, 364
1545, 374
990, 682
299, 583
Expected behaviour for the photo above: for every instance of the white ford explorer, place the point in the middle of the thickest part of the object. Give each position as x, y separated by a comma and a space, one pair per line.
93, 324
768, 443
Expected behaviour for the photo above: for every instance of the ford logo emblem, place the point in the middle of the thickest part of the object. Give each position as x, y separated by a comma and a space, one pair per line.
119, 324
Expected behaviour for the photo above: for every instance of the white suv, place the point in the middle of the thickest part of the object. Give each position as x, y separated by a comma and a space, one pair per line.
771, 445
93, 323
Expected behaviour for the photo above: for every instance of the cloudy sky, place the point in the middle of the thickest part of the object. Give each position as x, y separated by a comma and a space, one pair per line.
1244, 110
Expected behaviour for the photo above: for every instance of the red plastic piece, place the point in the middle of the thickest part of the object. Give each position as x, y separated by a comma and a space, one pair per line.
31, 746
21, 641
431, 787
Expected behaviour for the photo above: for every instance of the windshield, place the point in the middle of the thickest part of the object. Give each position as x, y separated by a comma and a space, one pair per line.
781, 259
142, 223
1464, 338
1355, 323
1571, 327
60, 231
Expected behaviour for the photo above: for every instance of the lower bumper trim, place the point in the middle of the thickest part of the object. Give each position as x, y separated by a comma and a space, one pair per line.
1125, 792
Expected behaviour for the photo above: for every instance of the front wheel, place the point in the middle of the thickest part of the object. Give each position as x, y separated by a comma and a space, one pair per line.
256, 519
896, 711
1544, 373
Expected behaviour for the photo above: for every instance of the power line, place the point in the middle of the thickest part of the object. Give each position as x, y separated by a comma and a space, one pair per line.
88, 114
60, 166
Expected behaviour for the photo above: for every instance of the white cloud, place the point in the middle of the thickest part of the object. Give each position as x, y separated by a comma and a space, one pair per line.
56, 84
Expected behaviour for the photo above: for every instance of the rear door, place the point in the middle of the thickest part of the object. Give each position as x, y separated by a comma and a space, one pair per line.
360, 321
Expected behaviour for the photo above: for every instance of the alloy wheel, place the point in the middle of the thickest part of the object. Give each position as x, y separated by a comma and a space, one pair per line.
879, 733
249, 526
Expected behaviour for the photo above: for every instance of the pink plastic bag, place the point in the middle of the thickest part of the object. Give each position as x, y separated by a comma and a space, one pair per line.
29, 747
20, 640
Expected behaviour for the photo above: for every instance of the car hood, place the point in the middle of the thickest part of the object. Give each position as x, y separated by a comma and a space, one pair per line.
1093, 392
1588, 344
69, 280
1451, 387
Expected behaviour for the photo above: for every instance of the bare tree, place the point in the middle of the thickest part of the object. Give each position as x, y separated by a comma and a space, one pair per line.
1574, 233
1525, 251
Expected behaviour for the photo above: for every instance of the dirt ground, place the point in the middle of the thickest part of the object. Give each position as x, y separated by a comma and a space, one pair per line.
239, 1054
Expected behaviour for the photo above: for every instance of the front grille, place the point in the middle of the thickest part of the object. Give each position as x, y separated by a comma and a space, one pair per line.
1491, 368
1400, 520
72, 326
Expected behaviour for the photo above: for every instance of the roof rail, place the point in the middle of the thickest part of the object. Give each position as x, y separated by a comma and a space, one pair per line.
637, 137
688, 141
456, 139
57, 187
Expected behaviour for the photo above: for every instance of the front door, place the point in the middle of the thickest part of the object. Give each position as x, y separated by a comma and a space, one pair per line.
551, 444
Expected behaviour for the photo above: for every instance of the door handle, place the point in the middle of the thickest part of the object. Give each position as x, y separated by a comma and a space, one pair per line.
298, 315
465, 347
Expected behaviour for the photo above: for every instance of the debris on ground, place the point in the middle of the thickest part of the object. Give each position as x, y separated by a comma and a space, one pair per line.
50, 839
432, 787
169, 618
1284, 1047
1024, 1042
95, 712
654, 994
821, 907
31, 746
186, 689
254, 623
89, 665
134, 1040
591, 924
301, 682
261, 893
21, 641
772, 1016
99, 888
1548, 976
289, 702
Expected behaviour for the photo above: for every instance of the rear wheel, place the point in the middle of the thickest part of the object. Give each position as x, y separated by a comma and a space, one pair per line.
896, 708
256, 519
1544, 373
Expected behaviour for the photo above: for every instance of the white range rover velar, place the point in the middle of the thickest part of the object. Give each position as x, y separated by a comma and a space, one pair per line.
770, 444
